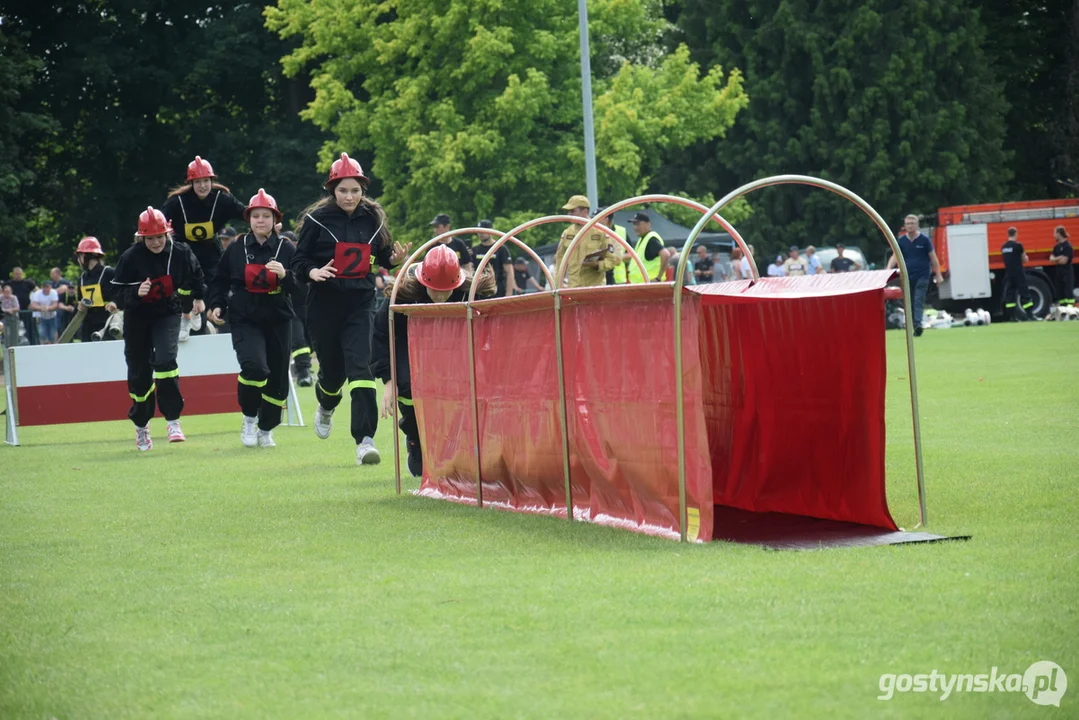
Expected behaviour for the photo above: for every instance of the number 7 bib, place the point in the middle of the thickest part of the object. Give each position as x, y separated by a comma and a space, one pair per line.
352, 260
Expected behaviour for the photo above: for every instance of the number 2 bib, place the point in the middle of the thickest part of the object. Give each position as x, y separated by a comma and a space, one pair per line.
257, 279
160, 289
197, 232
93, 294
352, 260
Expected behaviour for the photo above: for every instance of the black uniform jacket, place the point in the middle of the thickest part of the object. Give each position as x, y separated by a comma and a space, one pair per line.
175, 273
257, 295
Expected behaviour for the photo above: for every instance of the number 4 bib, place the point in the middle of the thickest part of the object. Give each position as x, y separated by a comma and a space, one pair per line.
257, 279
352, 260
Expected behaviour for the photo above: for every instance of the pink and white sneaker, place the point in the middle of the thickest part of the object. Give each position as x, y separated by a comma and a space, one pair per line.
175, 433
142, 439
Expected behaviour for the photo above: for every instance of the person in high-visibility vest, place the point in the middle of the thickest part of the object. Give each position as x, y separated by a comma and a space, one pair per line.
617, 276
651, 251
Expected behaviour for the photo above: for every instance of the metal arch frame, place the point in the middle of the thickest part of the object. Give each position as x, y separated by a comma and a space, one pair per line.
411, 260
709, 215
679, 284
555, 285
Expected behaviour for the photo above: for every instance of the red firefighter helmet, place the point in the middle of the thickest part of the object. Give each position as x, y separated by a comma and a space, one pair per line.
152, 222
346, 167
262, 200
441, 270
89, 245
198, 169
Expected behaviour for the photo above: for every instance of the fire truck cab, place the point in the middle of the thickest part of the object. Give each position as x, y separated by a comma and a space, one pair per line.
968, 239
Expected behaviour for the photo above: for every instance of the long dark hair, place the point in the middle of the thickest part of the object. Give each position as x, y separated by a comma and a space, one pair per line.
412, 291
188, 187
385, 237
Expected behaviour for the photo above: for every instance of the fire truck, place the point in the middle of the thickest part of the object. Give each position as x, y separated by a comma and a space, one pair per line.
968, 239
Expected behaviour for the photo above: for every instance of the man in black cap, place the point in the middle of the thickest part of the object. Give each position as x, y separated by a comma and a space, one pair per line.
523, 279
650, 249
441, 224
501, 263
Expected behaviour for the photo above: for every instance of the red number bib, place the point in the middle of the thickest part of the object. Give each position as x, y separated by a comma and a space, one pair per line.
352, 260
258, 279
161, 288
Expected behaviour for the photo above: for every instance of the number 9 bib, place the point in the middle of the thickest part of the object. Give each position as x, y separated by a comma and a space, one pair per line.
160, 289
352, 260
257, 279
197, 232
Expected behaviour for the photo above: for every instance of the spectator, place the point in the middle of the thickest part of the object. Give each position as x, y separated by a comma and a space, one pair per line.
703, 269
743, 264
921, 260
9, 308
441, 224
842, 264
523, 280
813, 263
776, 269
617, 276
794, 266
502, 264
23, 288
65, 291
44, 303
722, 269
228, 235
736, 263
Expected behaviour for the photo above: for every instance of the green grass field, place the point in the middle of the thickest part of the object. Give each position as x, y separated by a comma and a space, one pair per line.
210, 580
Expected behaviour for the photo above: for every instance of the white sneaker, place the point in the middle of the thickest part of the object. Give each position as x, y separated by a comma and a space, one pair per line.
265, 438
185, 328
196, 322
323, 422
142, 438
367, 453
249, 431
175, 433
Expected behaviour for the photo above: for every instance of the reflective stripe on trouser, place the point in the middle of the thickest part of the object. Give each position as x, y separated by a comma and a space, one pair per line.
1016, 292
262, 350
340, 326
301, 346
153, 378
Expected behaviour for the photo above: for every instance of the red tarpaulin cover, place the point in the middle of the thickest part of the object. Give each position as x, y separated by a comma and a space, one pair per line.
783, 388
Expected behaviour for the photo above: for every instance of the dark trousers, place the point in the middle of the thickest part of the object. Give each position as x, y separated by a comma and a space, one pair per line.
262, 350
1065, 285
150, 346
1016, 294
301, 347
29, 324
340, 323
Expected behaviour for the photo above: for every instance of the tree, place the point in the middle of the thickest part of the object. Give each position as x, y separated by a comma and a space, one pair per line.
23, 129
475, 108
134, 89
896, 101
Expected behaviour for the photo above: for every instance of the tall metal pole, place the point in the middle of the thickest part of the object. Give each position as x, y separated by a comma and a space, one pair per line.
586, 101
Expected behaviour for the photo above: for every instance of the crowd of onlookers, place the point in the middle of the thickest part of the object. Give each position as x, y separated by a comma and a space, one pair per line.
36, 313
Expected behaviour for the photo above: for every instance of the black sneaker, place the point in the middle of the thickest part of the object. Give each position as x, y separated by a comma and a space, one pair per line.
918, 331
415, 457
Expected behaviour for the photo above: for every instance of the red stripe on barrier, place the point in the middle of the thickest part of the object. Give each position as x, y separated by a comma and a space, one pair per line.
94, 402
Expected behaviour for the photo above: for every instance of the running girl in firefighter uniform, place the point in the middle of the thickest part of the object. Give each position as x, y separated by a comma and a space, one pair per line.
94, 287
343, 240
197, 211
156, 280
438, 279
255, 269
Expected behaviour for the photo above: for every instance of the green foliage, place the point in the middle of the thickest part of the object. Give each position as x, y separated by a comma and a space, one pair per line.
896, 101
132, 91
475, 108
